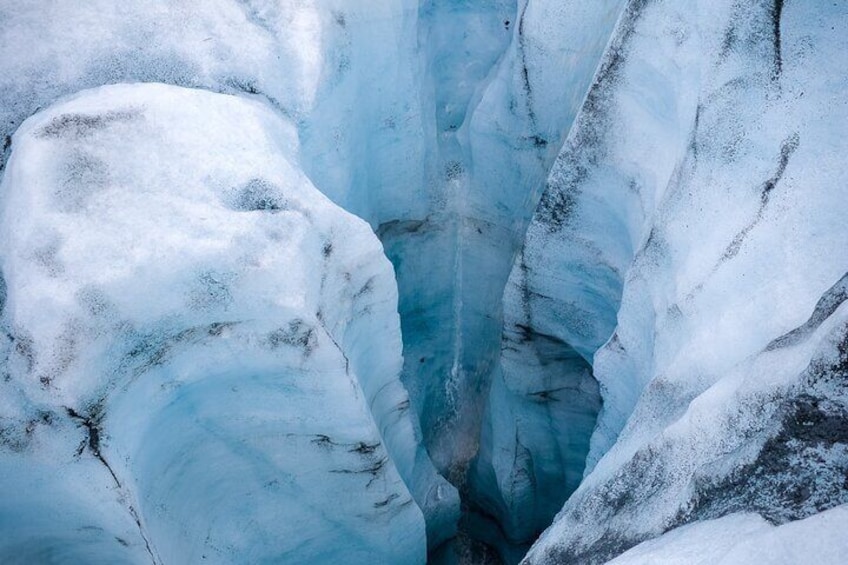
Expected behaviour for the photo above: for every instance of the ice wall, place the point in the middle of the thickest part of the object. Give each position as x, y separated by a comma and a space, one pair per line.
203, 351
507, 79
564, 291
703, 182
345, 74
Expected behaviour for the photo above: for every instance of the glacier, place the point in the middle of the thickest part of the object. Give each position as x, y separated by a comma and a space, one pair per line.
396, 281
696, 216
174, 351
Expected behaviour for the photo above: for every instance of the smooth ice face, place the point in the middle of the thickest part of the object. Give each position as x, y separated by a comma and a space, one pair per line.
203, 351
704, 183
507, 79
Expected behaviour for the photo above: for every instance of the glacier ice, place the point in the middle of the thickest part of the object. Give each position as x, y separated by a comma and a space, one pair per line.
703, 188
297, 58
215, 341
740, 539
383, 128
614, 288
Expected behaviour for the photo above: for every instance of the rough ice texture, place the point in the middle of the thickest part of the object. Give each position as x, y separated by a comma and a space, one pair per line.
703, 190
669, 329
436, 121
203, 351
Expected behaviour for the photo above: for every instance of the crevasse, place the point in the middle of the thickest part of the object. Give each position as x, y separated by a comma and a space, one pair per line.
614, 301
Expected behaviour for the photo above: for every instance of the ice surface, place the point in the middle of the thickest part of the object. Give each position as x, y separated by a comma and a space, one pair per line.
742, 539
442, 149
216, 342
193, 330
704, 183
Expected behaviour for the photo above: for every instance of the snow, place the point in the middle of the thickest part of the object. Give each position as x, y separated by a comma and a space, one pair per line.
740, 539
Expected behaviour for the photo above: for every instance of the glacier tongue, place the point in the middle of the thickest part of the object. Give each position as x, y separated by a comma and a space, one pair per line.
200, 342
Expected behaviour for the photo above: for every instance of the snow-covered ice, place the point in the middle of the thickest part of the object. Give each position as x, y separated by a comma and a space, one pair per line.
216, 343
695, 216
743, 539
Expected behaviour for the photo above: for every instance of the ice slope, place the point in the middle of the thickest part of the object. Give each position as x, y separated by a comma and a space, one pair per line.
695, 217
741, 539
202, 350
